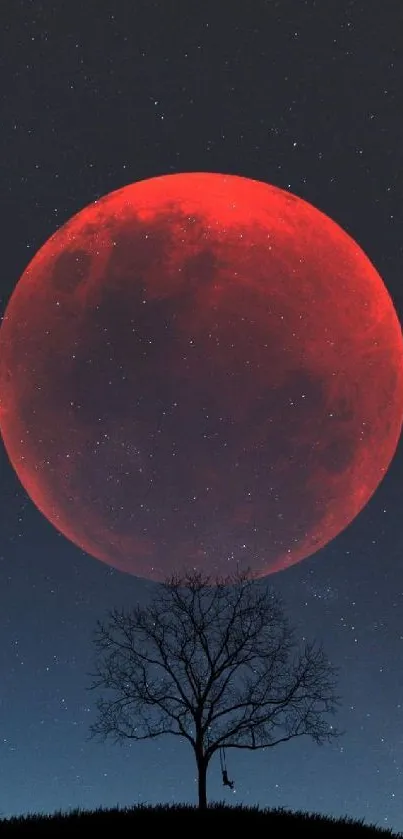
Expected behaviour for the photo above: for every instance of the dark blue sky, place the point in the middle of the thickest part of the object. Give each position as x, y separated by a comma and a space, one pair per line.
306, 96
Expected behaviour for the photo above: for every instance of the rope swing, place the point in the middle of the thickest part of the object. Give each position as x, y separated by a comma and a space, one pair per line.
224, 773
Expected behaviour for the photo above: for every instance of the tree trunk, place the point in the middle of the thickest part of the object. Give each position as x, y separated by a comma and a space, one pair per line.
202, 783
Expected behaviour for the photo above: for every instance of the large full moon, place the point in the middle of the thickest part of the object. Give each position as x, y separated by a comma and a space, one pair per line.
200, 371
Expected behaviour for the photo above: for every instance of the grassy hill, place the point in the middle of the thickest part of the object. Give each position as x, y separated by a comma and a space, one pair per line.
80, 823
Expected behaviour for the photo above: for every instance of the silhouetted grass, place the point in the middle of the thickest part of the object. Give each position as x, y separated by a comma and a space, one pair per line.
123, 821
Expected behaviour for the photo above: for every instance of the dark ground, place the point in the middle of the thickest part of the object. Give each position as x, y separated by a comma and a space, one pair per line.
125, 820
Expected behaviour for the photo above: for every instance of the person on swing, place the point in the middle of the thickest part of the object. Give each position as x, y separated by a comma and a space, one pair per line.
226, 781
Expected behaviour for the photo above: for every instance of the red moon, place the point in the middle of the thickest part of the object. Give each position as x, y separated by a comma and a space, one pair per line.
200, 371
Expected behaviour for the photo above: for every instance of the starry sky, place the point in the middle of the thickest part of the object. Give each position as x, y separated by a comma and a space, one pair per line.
305, 96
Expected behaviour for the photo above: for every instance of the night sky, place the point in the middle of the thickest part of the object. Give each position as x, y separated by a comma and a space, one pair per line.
306, 96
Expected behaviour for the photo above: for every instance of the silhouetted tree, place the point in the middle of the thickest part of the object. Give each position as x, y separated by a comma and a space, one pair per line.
215, 662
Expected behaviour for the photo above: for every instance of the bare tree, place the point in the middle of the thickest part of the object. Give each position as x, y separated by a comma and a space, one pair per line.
215, 662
